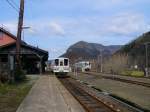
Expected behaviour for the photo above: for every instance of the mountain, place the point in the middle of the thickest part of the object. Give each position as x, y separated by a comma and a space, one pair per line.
136, 47
83, 50
136, 50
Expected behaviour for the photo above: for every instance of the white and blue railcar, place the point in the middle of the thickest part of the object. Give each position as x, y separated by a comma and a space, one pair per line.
83, 66
60, 66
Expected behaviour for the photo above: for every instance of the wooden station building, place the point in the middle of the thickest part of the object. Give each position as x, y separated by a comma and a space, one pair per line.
32, 58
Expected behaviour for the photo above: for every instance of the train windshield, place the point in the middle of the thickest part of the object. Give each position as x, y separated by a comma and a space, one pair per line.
56, 62
66, 62
86, 64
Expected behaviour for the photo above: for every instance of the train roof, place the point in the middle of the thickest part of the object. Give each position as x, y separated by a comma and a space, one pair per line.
83, 62
61, 58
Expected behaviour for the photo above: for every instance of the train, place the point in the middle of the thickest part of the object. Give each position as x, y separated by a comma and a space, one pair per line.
83, 66
60, 66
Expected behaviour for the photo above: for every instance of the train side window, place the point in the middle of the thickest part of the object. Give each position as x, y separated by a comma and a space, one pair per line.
86, 64
66, 62
56, 62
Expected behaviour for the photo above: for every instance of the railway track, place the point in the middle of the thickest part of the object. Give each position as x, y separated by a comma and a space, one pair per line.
127, 81
90, 102
124, 80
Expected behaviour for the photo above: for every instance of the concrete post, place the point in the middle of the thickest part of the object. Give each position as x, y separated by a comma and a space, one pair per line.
146, 56
41, 65
11, 63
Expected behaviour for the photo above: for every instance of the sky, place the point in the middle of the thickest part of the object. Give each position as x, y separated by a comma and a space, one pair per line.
57, 24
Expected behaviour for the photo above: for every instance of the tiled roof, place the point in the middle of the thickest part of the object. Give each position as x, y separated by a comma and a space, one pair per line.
13, 42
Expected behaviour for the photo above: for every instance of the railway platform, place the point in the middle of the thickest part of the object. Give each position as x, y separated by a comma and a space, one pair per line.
49, 95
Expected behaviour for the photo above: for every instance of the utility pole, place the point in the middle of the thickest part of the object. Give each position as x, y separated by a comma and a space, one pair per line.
18, 42
98, 61
146, 60
101, 62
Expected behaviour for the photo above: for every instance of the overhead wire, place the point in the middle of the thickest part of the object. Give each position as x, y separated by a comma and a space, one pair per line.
13, 5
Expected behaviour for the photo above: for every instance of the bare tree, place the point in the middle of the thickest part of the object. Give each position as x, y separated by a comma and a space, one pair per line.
116, 63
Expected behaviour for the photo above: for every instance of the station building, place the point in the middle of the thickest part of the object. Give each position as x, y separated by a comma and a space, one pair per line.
32, 58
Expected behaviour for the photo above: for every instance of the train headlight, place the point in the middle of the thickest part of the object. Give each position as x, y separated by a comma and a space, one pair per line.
66, 68
56, 69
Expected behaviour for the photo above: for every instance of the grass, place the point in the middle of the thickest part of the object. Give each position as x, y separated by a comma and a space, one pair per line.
11, 95
133, 73
137, 74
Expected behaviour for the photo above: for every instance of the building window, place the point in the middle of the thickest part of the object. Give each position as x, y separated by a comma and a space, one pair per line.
1, 35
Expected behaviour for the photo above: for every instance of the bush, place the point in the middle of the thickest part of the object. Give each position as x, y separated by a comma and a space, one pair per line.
19, 75
4, 78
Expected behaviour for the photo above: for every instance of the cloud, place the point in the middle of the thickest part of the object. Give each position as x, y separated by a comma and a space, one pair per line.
46, 28
55, 51
125, 24
63, 22
56, 28
11, 26
77, 4
87, 28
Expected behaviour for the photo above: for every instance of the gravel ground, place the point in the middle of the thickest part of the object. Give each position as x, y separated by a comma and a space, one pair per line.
135, 93
146, 80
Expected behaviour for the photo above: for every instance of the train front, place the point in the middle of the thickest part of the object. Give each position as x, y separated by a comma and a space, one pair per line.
61, 66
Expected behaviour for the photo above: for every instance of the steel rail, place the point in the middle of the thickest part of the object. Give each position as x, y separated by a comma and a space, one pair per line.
123, 80
88, 101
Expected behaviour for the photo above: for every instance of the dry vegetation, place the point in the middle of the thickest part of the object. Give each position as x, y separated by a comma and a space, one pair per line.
120, 64
116, 64
11, 95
